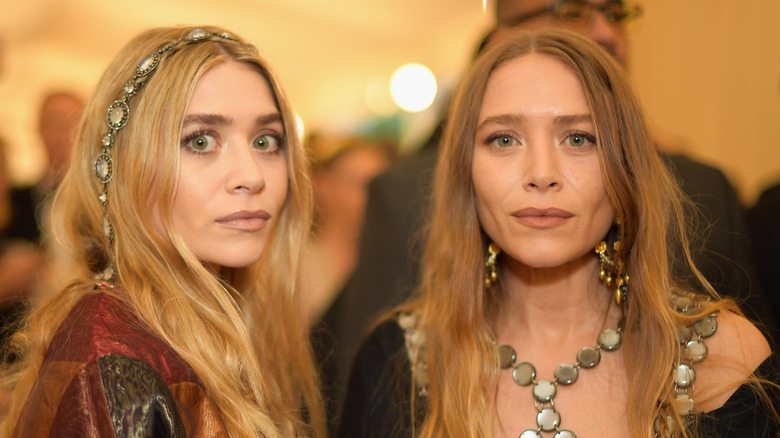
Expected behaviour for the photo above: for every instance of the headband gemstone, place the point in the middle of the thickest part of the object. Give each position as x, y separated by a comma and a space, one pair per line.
117, 116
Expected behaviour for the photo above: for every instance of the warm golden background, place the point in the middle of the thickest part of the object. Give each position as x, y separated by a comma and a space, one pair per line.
708, 71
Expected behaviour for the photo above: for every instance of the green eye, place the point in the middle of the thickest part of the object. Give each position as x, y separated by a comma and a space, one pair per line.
579, 140
202, 143
266, 143
504, 141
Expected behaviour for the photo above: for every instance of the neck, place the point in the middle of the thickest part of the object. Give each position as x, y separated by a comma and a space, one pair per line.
562, 304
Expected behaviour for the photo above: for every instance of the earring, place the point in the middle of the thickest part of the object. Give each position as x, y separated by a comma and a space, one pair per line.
613, 270
490, 265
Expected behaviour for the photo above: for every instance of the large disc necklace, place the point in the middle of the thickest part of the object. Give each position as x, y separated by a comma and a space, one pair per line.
548, 419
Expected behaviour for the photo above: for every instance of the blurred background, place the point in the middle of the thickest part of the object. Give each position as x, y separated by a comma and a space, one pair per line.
707, 71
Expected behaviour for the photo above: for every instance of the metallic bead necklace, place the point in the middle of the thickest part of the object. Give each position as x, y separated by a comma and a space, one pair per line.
544, 391
693, 350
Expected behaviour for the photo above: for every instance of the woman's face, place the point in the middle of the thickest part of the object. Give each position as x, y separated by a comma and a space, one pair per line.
536, 173
233, 173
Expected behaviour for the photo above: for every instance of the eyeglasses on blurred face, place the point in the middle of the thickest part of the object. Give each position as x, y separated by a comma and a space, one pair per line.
579, 15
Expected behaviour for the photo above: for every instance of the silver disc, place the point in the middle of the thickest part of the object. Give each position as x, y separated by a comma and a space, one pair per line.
684, 404
706, 326
565, 434
610, 339
548, 419
684, 376
524, 374
544, 390
588, 357
531, 433
566, 374
695, 351
506, 356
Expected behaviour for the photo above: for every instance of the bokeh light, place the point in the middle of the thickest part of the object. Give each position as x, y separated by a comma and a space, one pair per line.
413, 87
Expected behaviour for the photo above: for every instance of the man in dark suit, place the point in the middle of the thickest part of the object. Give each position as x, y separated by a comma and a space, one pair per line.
763, 221
392, 239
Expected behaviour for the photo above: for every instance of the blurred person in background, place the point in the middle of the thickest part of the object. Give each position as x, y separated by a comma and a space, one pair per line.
342, 168
58, 119
763, 221
21, 266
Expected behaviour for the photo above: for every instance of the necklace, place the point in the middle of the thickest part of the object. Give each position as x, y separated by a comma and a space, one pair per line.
692, 351
544, 391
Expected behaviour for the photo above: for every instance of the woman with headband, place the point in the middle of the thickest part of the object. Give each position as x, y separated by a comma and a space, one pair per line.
182, 216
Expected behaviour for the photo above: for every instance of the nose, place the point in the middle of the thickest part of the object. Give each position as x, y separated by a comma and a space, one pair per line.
609, 35
540, 169
245, 170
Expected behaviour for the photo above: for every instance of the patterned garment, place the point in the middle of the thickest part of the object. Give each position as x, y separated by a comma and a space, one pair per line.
106, 374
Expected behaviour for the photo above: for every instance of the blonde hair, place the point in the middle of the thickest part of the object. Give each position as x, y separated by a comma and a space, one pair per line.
243, 333
457, 312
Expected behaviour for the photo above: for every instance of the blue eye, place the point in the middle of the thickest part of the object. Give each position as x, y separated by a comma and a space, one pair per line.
266, 143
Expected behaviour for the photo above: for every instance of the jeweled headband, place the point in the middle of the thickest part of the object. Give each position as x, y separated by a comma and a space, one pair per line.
116, 117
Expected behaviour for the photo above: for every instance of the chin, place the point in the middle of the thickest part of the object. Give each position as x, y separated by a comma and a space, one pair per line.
232, 261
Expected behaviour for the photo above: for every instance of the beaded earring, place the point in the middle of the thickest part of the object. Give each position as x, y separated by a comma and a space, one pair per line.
490, 265
613, 270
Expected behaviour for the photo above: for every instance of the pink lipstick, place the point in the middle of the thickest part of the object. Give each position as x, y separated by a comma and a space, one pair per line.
542, 217
244, 220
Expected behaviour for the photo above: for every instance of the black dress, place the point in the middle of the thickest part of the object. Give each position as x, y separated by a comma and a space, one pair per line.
379, 392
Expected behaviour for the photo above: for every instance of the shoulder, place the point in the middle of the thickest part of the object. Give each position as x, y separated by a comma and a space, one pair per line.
702, 182
693, 170
379, 389
106, 369
384, 343
735, 351
101, 325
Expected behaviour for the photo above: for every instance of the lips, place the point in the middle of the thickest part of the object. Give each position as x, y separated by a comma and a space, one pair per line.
542, 217
244, 220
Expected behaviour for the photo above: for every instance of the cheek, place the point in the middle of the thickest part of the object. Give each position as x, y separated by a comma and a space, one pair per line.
603, 211
277, 183
486, 191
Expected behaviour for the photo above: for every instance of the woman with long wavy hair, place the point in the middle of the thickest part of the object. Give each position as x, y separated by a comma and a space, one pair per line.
183, 214
547, 305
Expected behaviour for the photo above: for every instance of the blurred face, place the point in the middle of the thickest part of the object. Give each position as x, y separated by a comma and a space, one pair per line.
341, 189
233, 174
536, 174
611, 36
58, 122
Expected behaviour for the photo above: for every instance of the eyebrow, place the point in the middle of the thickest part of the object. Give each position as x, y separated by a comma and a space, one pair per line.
266, 119
574, 118
221, 120
207, 119
514, 118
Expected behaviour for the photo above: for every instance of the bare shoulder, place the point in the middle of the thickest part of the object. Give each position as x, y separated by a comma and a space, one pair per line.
735, 351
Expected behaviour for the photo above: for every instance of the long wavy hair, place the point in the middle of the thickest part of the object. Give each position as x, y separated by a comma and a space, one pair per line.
242, 331
457, 313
